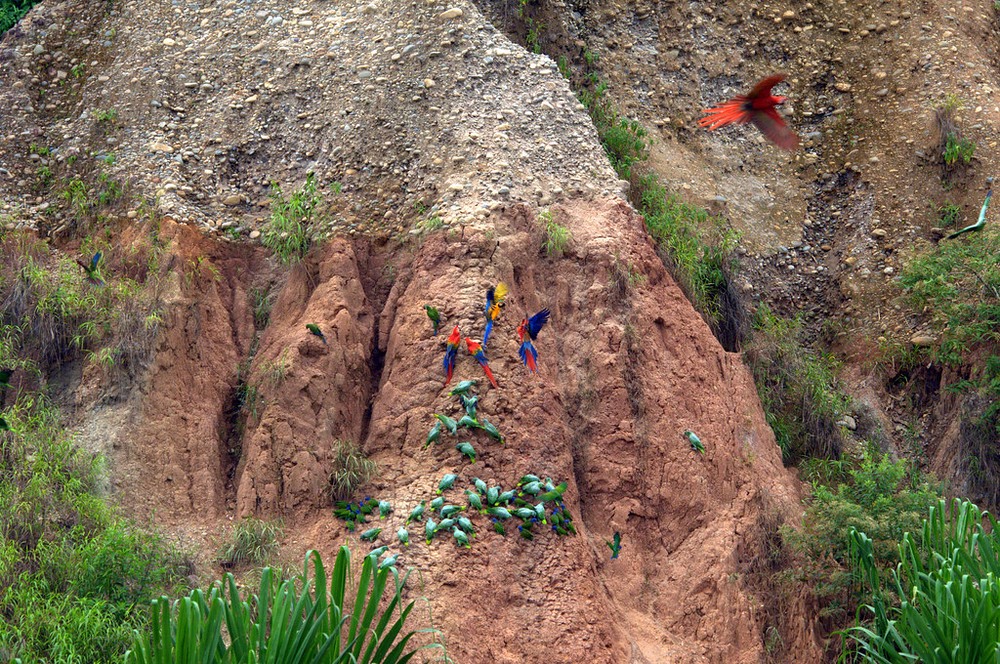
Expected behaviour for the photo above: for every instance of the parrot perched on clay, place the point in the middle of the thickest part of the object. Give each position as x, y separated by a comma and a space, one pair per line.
375, 553
450, 510
403, 535
469, 404
461, 537
757, 107
384, 507
476, 350
370, 534
499, 513
417, 513
494, 305
527, 331
429, 529
695, 442
446, 482
475, 502
316, 332
615, 545
451, 353
433, 434
434, 315
388, 562
493, 432
449, 424
468, 450
468, 422
445, 524
465, 385
92, 269
554, 494
466, 525
479, 484
437, 503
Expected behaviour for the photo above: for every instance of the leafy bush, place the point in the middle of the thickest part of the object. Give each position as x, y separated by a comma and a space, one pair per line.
291, 229
281, 623
624, 140
11, 11
351, 469
797, 388
941, 603
71, 569
872, 493
253, 542
958, 148
556, 235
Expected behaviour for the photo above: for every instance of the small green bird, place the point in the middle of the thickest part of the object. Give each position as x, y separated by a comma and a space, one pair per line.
463, 387
403, 535
506, 498
527, 479
616, 545
492, 495
978, 226
388, 562
494, 433
469, 403
475, 501
525, 530
449, 510
498, 528
316, 332
370, 534
554, 494
524, 513
446, 482
461, 538
435, 317
499, 513
445, 524
417, 513
429, 529
466, 525
433, 434
468, 450
695, 442
532, 488
437, 503
384, 507
449, 424
379, 551
540, 512
468, 422
92, 269
480, 485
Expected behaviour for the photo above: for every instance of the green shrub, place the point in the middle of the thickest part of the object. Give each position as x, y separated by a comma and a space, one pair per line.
625, 140
351, 469
253, 542
11, 11
556, 235
297, 620
797, 388
958, 148
942, 602
948, 214
292, 227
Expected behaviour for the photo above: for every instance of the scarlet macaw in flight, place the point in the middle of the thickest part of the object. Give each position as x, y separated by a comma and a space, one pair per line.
757, 107
527, 331
476, 350
494, 305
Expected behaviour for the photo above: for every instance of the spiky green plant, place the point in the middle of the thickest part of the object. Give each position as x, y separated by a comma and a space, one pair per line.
351, 469
318, 624
254, 540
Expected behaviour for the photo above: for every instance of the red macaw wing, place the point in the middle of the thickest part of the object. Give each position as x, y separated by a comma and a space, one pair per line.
763, 88
774, 127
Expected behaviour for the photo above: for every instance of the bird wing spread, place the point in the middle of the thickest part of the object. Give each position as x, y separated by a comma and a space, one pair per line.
763, 87
771, 124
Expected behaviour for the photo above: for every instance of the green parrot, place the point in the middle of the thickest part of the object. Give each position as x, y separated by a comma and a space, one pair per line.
527, 479
554, 494
370, 534
379, 551
437, 503
525, 530
494, 433
92, 269
315, 331
433, 434
449, 424
403, 535
695, 442
429, 529
480, 485
463, 387
466, 525
461, 538
417, 513
492, 495
475, 501
435, 317
388, 562
524, 513
468, 422
446, 482
449, 510
540, 512
384, 507
616, 545
533, 488
498, 528
469, 403
445, 524
499, 513
468, 450
506, 498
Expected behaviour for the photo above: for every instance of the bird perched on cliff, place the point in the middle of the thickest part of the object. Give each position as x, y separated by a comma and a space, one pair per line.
757, 107
460, 537
978, 226
403, 535
468, 450
527, 332
494, 305
555, 494
384, 507
449, 424
446, 482
433, 434
451, 353
475, 502
370, 534
491, 430
615, 545
92, 269
434, 315
417, 513
388, 562
429, 529
476, 351
316, 332
695, 442
463, 388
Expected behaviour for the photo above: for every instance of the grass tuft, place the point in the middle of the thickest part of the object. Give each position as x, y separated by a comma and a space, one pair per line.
351, 469
253, 542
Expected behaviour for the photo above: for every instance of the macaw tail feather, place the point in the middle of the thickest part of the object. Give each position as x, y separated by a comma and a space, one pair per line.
529, 355
486, 333
489, 374
727, 113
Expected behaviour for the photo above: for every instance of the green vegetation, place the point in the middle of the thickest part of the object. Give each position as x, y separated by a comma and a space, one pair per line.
955, 149
253, 542
296, 620
940, 604
109, 115
948, 214
958, 148
292, 228
351, 469
624, 139
71, 569
11, 11
556, 235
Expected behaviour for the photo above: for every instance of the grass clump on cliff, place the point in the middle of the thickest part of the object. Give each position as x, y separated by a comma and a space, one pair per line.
292, 228
71, 569
351, 469
253, 542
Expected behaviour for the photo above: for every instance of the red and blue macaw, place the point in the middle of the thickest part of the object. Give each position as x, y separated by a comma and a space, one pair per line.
527, 331
451, 353
494, 305
476, 350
